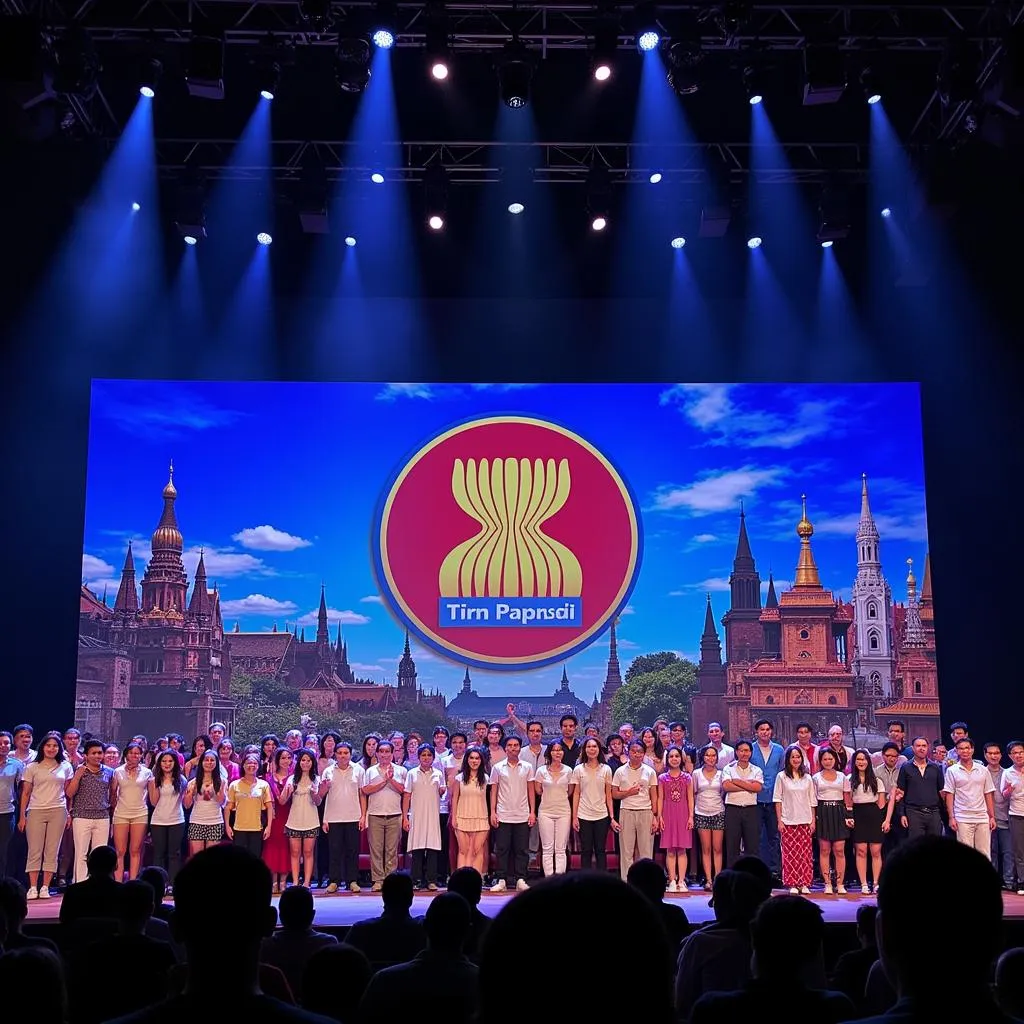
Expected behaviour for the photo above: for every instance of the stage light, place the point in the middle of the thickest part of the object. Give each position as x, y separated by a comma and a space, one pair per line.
606, 45
827, 244
205, 74
655, 177
870, 86
646, 27
136, 207
515, 73
352, 64
599, 223
74, 65
435, 192
834, 214
824, 73
384, 26
147, 91
377, 178
678, 242
264, 238
436, 222
317, 14
648, 41
516, 208
886, 212
190, 212
270, 77
191, 239
752, 83
685, 58
599, 195
754, 242
438, 48
350, 240
149, 77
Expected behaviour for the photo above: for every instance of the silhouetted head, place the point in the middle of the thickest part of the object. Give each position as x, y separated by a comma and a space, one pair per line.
737, 896
295, 908
1010, 982
396, 891
467, 883
649, 878
777, 922
910, 908
446, 922
332, 970
588, 900
41, 973
748, 864
156, 878
866, 918
13, 903
101, 862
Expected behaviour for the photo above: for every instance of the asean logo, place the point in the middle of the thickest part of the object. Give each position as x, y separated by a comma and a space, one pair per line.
507, 542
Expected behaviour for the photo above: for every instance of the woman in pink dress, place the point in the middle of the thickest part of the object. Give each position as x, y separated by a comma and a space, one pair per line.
276, 852
676, 817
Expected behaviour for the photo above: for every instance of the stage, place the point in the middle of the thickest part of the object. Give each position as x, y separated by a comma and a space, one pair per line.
343, 909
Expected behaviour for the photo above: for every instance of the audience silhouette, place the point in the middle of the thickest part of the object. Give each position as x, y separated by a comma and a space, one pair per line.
291, 946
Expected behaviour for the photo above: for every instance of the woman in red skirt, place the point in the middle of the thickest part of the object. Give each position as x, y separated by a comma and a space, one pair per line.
276, 852
795, 801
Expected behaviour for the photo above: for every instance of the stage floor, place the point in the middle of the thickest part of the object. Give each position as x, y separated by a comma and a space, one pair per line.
343, 909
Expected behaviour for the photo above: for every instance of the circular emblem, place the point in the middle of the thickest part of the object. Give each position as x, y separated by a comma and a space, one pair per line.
507, 542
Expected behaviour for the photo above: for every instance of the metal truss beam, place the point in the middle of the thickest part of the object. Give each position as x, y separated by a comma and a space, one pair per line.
474, 163
865, 26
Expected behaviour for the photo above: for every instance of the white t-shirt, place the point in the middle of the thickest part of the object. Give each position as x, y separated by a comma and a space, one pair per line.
47, 784
627, 777
554, 798
865, 796
737, 797
1015, 779
797, 797
131, 792
969, 788
726, 755
209, 812
513, 803
442, 762
831, 792
342, 803
168, 810
707, 794
302, 814
385, 801
592, 786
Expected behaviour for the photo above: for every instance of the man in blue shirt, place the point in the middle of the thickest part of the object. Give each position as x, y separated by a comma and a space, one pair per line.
768, 756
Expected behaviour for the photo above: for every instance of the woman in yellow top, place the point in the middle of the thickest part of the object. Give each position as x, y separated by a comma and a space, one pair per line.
248, 798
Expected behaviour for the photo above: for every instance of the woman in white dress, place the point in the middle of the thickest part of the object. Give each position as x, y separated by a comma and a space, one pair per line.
554, 783
131, 809
303, 825
424, 786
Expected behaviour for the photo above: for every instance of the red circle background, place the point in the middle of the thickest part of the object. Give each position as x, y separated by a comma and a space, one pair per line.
425, 523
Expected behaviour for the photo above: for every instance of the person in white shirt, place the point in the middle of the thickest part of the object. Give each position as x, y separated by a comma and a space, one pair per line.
424, 787
795, 802
969, 788
709, 812
205, 796
742, 781
726, 754
512, 815
592, 807
554, 784
344, 817
384, 784
444, 763
167, 825
636, 785
44, 812
866, 801
1013, 790
533, 755
131, 807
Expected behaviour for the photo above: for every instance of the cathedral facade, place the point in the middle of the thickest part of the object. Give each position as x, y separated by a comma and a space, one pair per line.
806, 655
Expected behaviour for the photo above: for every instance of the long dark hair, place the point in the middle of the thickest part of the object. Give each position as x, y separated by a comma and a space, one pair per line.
299, 755
177, 782
216, 779
465, 770
40, 756
787, 767
864, 778
658, 750
583, 751
364, 757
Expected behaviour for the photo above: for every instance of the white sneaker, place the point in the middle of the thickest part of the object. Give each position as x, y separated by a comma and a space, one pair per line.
841, 889
828, 888
499, 886
32, 894
521, 885
1020, 892
672, 886
804, 891
794, 891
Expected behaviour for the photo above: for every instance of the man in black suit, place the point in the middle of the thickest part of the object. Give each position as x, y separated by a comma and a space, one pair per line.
439, 976
96, 897
469, 885
786, 936
927, 978
394, 937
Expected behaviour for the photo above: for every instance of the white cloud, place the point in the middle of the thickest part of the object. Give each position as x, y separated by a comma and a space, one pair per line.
913, 528
390, 392
358, 666
502, 387
704, 538
628, 610
221, 563
371, 599
94, 568
717, 491
256, 604
713, 584
627, 645
334, 616
716, 410
268, 538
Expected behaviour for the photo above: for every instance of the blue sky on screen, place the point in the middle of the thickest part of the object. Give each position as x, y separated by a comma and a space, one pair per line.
278, 482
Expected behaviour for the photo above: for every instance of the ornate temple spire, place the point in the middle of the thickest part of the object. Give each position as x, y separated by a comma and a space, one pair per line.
806, 569
127, 599
913, 631
926, 583
744, 560
200, 603
467, 683
710, 644
772, 600
322, 634
613, 673
340, 648
237, 628
565, 679
709, 622
869, 561
744, 582
167, 535
273, 629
